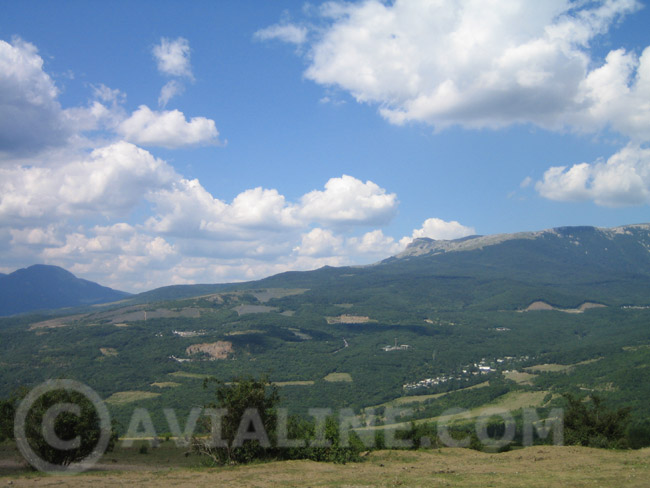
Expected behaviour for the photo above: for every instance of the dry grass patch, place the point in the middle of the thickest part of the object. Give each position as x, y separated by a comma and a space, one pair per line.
556, 368
214, 350
166, 384
294, 383
348, 319
108, 351
405, 400
183, 374
245, 332
520, 377
122, 397
338, 378
58, 322
534, 467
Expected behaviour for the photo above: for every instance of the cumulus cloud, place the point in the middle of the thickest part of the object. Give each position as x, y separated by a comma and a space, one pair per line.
345, 202
469, 62
188, 209
110, 181
167, 128
349, 201
375, 244
624, 179
290, 33
173, 57
319, 242
30, 115
439, 229
618, 94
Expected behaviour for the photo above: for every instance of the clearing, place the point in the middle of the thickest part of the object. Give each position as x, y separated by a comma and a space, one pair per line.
338, 378
540, 306
215, 350
122, 397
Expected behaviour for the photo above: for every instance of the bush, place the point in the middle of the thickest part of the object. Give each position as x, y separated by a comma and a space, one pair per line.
249, 424
86, 427
591, 424
336, 450
244, 398
638, 434
7, 412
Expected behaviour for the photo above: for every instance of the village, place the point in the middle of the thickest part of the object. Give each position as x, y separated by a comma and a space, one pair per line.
483, 367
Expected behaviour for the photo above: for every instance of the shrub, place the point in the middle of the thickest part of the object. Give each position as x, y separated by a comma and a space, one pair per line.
590, 423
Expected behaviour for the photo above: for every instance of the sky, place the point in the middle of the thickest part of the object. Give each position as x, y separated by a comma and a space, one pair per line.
151, 143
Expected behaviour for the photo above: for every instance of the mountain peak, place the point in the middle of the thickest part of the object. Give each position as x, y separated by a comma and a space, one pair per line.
41, 287
426, 246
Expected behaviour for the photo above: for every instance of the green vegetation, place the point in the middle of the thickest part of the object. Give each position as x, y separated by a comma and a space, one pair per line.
439, 325
77, 428
248, 423
591, 424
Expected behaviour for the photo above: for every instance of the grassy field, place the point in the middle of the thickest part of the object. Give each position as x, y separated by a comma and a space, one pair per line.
511, 401
122, 397
538, 466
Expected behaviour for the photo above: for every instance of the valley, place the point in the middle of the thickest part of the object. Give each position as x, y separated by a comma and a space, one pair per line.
400, 343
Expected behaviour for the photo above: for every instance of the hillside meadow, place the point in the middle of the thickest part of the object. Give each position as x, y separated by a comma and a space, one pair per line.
537, 466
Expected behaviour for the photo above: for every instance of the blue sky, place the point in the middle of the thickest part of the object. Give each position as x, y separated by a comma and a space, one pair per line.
149, 143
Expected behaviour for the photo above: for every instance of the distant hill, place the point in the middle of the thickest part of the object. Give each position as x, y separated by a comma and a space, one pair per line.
512, 319
42, 287
564, 266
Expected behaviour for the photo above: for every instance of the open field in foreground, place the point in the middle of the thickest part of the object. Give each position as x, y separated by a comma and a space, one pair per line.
539, 466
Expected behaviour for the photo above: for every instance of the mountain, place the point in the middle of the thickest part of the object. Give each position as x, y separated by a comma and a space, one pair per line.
512, 319
564, 266
42, 287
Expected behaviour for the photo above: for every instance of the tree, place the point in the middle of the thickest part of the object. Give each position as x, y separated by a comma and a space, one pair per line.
591, 423
247, 412
7, 411
75, 428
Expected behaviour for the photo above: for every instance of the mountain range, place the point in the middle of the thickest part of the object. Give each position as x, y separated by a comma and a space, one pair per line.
517, 318
42, 287
562, 265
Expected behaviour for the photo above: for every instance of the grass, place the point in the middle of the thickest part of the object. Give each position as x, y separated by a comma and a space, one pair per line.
338, 378
556, 368
519, 377
513, 400
405, 400
166, 384
294, 383
196, 376
122, 397
538, 466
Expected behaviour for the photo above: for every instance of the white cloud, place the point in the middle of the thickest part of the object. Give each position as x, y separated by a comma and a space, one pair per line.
30, 115
284, 32
110, 181
618, 94
319, 242
171, 89
173, 57
345, 202
188, 209
439, 229
374, 243
349, 201
35, 236
470, 62
167, 128
621, 181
